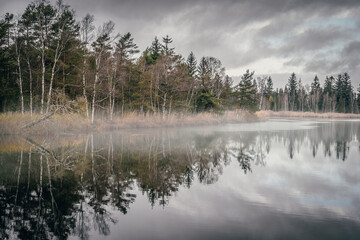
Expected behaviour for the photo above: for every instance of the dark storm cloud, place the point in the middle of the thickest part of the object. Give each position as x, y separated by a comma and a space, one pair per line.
348, 60
239, 33
314, 39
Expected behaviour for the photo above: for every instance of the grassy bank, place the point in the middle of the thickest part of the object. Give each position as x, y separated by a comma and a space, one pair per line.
291, 114
13, 123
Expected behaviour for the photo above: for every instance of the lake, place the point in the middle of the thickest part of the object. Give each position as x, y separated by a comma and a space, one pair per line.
280, 179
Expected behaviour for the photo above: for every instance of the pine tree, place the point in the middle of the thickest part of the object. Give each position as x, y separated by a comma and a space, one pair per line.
124, 51
245, 92
226, 95
191, 64
269, 87
166, 49
315, 93
328, 85
155, 49
292, 84
329, 94
302, 95
358, 99
268, 93
204, 74
126, 48
8, 89
348, 93
339, 89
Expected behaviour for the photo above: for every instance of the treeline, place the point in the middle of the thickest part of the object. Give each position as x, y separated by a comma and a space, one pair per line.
337, 95
48, 59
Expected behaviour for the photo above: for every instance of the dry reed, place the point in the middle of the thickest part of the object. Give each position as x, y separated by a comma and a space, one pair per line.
12, 123
292, 114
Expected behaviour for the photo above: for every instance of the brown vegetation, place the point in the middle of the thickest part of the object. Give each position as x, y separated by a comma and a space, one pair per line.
135, 120
13, 123
292, 114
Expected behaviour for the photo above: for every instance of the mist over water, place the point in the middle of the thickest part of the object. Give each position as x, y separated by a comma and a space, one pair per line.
280, 179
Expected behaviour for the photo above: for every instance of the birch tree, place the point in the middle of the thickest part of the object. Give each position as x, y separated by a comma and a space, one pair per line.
43, 19
63, 29
102, 47
87, 28
18, 42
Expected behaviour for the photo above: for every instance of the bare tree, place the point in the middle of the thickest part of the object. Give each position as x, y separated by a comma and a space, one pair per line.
18, 45
64, 29
101, 46
43, 14
87, 28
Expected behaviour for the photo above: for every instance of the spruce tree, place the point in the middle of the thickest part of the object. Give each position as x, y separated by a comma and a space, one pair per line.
347, 93
204, 73
269, 87
315, 93
269, 92
155, 49
191, 64
339, 90
292, 84
245, 92
358, 99
166, 49
126, 48
8, 89
329, 85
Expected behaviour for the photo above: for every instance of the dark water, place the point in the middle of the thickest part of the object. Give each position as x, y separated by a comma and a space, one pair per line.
275, 180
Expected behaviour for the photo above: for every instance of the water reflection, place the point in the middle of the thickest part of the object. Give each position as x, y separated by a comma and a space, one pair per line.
50, 188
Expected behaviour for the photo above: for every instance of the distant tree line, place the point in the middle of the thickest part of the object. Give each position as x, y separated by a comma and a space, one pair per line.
48, 59
337, 95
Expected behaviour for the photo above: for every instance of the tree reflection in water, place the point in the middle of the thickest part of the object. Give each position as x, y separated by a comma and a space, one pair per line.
56, 191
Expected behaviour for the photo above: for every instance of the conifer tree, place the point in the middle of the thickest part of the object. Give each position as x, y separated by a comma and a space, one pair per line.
315, 93
191, 64
339, 89
155, 49
292, 84
329, 94
269, 87
358, 99
166, 48
245, 92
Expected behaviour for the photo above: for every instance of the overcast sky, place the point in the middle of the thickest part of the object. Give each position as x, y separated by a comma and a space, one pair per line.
271, 37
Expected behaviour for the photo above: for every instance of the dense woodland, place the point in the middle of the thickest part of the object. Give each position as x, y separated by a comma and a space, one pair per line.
48, 59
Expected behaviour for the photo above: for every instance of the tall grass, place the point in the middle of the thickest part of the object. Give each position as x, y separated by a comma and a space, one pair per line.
12, 123
153, 120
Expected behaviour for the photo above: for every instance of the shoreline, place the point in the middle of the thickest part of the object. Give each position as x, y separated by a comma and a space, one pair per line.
61, 124
303, 115
67, 124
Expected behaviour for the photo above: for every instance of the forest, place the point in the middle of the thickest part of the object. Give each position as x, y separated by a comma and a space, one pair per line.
48, 60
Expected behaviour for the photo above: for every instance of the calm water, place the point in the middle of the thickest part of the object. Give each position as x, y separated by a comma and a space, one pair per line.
280, 179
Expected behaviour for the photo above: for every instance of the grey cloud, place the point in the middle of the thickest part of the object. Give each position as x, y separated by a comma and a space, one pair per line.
294, 61
315, 39
218, 28
348, 59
